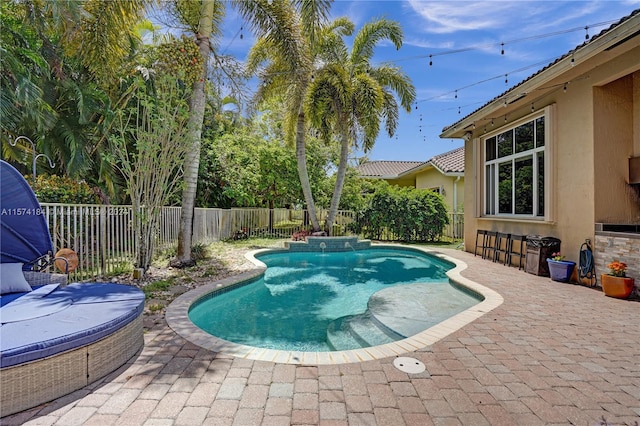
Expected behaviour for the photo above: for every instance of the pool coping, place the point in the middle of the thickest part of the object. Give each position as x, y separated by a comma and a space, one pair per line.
178, 320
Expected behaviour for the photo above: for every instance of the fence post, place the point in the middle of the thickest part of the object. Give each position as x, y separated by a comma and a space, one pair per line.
102, 237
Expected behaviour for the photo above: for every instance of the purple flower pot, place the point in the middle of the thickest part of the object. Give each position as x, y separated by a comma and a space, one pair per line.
560, 270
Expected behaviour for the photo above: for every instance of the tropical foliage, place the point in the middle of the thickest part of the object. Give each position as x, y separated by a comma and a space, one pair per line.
349, 96
287, 50
70, 72
149, 145
402, 213
251, 165
63, 189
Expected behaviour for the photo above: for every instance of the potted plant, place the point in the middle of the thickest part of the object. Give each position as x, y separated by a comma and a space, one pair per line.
560, 269
616, 283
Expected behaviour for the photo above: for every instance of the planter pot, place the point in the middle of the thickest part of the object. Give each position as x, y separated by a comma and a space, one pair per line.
560, 270
619, 287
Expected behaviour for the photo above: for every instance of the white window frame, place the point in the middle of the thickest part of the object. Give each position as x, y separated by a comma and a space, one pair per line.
485, 178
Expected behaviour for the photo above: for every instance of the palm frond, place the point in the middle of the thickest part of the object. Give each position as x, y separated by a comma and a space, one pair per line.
313, 16
395, 79
370, 35
389, 114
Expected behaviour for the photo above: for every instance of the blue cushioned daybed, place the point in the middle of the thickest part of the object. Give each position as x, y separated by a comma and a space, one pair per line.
55, 340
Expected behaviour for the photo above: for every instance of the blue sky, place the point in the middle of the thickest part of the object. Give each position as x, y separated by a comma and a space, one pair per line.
458, 83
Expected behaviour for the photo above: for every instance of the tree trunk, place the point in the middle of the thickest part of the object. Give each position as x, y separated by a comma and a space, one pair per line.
337, 190
301, 158
196, 119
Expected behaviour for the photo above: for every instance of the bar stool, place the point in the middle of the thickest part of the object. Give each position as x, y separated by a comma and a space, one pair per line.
521, 249
481, 235
502, 247
489, 248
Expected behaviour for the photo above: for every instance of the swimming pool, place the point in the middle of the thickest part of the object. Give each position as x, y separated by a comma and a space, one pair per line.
334, 301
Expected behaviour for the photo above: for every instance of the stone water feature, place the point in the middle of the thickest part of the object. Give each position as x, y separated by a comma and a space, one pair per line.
328, 244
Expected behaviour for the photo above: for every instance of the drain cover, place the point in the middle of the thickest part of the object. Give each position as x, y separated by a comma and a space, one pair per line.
409, 365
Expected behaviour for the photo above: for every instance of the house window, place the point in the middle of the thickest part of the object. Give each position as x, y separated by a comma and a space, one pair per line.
436, 189
514, 171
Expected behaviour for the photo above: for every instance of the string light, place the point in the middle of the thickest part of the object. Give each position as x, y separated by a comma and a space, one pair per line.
502, 49
564, 89
506, 79
430, 60
505, 118
545, 62
513, 41
532, 107
573, 61
456, 97
241, 35
586, 36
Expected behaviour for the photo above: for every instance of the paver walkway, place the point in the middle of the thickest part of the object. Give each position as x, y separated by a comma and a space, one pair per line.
552, 353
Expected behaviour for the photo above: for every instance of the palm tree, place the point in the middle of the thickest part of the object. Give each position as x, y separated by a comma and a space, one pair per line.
273, 21
210, 12
349, 96
288, 43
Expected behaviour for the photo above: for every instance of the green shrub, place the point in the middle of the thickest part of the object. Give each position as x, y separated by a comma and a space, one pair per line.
62, 189
288, 224
405, 214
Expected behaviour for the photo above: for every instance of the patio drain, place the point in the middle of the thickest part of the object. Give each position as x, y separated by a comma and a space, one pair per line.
409, 365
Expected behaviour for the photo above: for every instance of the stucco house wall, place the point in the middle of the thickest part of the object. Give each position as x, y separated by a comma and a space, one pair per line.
407, 181
592, 116
451, 187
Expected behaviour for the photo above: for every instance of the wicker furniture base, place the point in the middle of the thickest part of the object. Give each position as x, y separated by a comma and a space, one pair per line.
27, 385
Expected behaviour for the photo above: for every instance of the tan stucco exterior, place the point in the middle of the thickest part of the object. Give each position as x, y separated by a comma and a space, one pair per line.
451, 187
592, 110
405, 181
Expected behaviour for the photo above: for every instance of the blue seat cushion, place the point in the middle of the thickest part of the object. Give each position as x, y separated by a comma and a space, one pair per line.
84, 313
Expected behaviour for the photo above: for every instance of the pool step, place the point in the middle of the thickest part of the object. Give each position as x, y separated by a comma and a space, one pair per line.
357, 331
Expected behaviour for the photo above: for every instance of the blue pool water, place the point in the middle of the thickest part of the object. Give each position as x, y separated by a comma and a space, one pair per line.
321, 301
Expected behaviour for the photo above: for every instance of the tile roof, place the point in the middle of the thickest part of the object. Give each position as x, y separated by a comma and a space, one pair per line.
386, 168
450, 162
540, 71
447, 162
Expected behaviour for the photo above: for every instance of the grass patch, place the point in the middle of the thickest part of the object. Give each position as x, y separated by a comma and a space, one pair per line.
155, 308
157, 287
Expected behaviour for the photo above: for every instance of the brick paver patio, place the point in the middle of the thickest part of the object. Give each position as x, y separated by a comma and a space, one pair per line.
552, 353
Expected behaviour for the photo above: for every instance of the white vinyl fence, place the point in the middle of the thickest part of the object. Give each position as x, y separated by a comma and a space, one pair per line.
102, 236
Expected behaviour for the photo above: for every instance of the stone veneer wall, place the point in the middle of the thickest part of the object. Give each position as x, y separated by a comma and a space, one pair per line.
610, 246
332, 244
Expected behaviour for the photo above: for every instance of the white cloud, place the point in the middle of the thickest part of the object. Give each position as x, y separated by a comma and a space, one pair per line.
452, 16
511, 16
